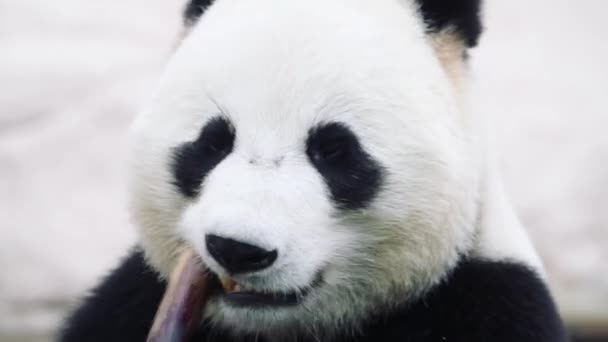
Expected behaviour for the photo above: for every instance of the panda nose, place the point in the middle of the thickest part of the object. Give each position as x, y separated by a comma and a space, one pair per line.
239, 257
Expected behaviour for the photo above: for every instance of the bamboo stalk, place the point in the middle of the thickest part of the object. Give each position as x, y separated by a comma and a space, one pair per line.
181, 308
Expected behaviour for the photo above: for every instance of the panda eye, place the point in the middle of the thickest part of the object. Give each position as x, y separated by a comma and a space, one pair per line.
351, 174
332, 149
219, 143
192, 161
332, 143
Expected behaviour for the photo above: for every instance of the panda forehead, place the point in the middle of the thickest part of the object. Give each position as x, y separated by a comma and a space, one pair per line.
460, 16
284, 35
283, 67
293, 58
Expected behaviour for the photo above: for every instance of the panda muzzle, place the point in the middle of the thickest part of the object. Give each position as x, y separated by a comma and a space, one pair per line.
190, 288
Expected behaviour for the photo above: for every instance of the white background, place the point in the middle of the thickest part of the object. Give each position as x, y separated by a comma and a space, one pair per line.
73, 73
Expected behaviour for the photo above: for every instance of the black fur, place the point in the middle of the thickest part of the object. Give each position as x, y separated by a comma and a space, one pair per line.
352, 175
480, 301
195, 10
192, 161
463, 16
121, 308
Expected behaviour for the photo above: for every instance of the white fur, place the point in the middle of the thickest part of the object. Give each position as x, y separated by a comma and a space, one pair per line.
502, 236
276, 68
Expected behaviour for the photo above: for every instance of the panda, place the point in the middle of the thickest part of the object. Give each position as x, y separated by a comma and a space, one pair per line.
324, 156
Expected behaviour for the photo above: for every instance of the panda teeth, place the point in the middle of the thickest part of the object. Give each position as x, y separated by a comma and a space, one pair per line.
245, 288
229, 285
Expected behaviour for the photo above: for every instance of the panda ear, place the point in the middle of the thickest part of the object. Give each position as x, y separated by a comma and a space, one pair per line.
452, 55
453, 26
194, 10
461, 18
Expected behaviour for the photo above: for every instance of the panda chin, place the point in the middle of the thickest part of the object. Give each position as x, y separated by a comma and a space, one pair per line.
241, 296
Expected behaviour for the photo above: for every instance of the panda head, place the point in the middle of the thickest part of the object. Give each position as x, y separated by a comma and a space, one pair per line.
315, 152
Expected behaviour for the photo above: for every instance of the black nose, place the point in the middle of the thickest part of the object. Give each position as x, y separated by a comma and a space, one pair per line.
239, 257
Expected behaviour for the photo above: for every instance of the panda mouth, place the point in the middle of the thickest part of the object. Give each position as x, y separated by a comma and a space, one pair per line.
241, 296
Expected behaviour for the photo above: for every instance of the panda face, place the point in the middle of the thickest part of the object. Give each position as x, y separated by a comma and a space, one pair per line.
313, 153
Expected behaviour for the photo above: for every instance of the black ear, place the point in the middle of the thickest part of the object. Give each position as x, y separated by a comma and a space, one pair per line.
461, 16
195, 9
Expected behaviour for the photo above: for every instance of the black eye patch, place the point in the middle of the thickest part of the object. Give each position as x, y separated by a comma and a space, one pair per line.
352, 175
192, 161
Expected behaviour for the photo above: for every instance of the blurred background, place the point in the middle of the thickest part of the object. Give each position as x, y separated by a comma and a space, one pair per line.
73, 74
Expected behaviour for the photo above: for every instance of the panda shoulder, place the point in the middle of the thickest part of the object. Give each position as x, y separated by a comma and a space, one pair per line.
481, 300
121, 308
